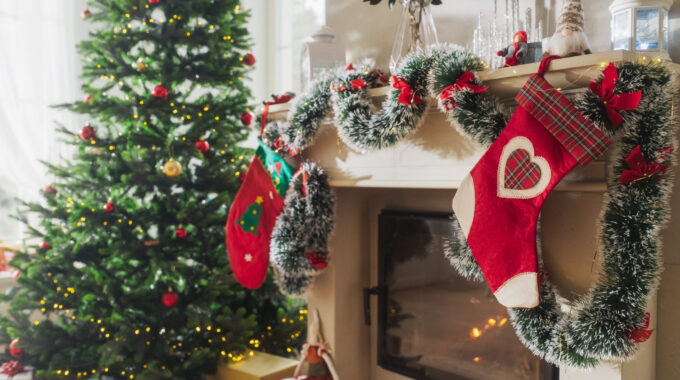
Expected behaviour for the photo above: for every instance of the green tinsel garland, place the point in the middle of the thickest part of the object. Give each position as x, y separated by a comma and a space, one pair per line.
299, 243
597, 326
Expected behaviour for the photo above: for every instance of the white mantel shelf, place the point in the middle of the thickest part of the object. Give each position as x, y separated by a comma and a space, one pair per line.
436, 156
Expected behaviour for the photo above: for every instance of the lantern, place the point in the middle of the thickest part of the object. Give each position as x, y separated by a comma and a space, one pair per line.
640, 25
321, 53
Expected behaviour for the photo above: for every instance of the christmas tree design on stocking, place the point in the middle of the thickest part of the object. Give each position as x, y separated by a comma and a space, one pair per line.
498, 203
253, 214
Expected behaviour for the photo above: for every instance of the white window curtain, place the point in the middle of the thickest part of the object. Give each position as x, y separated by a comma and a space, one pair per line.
279, 28
39, 67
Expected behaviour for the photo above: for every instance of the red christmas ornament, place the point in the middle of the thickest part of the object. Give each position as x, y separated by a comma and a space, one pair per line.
202, 146
109, 206
247, 118
357, 84
249, 59
14, 350
85, 14
154, 1
160, 92
318, 260
170, 299
87, 98
44, 246
181, 233
11, 368
87, 132
50, 190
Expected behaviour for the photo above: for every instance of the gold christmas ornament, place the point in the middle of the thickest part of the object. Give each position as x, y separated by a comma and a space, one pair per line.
141, 66
172, 168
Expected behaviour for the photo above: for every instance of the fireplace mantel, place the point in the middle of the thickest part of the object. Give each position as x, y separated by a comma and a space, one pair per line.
437, 156
421, 173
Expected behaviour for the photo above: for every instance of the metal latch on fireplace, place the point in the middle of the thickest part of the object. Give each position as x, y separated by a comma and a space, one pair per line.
376, 290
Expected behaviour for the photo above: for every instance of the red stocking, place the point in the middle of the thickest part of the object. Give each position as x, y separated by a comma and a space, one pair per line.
498, 203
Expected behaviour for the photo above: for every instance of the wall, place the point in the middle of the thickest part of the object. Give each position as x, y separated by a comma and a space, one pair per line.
368, 31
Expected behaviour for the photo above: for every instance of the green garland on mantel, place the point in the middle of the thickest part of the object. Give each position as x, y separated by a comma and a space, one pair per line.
603, 324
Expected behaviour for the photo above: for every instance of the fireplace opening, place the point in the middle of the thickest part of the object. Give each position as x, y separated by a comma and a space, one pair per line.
433, 323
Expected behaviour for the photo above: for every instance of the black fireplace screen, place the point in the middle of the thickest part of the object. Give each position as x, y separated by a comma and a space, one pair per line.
434, 324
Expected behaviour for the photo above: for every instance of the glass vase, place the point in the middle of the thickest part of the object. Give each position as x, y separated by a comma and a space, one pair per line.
416, 31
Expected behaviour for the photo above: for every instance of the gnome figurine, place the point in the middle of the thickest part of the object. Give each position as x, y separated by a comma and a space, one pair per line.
569, 38
516, 53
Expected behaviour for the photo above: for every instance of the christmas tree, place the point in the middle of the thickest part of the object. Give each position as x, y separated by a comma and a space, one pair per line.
132, 279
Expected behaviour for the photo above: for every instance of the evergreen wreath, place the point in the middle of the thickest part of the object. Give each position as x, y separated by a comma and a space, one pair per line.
299, 243
607, 322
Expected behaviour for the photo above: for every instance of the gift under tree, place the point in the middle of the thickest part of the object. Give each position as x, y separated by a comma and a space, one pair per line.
129, 277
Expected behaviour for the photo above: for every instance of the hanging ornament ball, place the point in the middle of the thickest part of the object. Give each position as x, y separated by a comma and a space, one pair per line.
170, 299
181, 233
160, 92
247, 118
85, 14
87, 132
202, 146
44, 246
154, 1
318, 260
109, 206
249, 59
172, 168
141, 66
87, 98
51, 190
13, 349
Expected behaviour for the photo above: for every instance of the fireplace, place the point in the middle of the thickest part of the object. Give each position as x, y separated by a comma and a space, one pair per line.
434, 324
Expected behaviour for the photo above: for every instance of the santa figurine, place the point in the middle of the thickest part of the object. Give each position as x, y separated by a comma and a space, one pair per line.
569, 38
516, 53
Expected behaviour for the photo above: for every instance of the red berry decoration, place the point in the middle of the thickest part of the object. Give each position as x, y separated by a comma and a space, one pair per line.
50, 190
12, 368
44, 246
85, 14
318, 260
181, 233
170, 299
249, 59
202, 146
109, 206
154, 1
87, 98
14, 350
87, 132
160, 92
247, 118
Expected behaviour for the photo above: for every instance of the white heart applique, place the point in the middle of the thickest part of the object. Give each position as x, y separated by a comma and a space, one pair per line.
521, 175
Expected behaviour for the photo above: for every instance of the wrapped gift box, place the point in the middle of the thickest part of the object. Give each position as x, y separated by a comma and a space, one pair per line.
259, 367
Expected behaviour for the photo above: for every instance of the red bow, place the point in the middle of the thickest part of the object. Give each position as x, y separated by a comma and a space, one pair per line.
641, 169
357, 84
465, 81
407, 96
613, 103
641, 334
